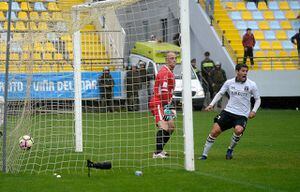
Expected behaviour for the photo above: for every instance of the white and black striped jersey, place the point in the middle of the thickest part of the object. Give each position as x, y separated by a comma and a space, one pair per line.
240, 94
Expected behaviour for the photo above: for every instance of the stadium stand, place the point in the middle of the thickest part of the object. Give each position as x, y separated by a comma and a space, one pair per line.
272, 25
42, 17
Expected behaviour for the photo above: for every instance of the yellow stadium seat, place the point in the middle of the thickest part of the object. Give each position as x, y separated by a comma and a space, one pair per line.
12, 27
47, 56
283, 54
268, 15
45, 16
49, 47
69, 47
32, 26
38, 47
3, 6
42, 26
25, 6
34, 16
14, 56
262, 6
230, 6
276, 45
20, 26
58, 56
25, 56
290, 14
260, 54
22, 15
2, 56
240, 6
259, 35
265, 45
277, 65
52, 6
294, 54
281, 35
246, 15
37, 56
264, 25
284, 5
289, 65
285, 25
66, 38
271, 54
2, 17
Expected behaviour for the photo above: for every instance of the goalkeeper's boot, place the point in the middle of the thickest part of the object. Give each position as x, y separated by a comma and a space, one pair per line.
160, 155
229, 154
203, 157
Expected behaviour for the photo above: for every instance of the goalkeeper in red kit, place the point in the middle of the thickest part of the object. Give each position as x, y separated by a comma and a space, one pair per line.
160, 104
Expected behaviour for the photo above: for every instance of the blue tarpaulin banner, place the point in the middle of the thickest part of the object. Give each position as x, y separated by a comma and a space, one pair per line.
55, 85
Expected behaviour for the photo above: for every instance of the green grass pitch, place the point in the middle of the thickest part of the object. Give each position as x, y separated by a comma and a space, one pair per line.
266, 159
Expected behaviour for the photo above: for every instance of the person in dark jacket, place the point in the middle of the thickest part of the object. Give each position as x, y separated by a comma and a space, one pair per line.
296, 41
106, 85
133, 84
248, 44
218, 78
207, 65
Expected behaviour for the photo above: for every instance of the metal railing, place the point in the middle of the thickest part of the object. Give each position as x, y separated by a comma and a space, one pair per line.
273, 63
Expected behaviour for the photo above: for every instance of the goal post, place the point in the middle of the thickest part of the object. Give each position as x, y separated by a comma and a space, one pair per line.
55, 93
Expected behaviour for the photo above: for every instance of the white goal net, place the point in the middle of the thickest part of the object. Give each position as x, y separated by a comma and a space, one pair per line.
50, 64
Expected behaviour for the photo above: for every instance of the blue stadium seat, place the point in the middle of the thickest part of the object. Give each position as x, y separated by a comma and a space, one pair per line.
279, 15
251, 6
39, 6
274, 25
287, 45
257, 45
273, 5
241, 25
235, 15
15, 47
296, 24
253, 25
15, 6
270, 35
290, 33
13, 16
294, 4
257, 15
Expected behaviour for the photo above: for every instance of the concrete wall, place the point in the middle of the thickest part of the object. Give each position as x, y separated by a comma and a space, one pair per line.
277, 83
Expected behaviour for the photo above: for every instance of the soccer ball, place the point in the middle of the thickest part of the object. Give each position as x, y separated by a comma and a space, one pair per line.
26, 142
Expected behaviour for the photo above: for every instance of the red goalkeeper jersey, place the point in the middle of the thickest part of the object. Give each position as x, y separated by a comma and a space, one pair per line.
164, 86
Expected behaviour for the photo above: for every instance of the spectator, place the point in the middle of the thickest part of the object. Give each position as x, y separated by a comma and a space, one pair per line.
145, 85
210, 8
257, 1
207, 65
296, 41
197, 71
218, 78
248, 44
106, 84
133, 87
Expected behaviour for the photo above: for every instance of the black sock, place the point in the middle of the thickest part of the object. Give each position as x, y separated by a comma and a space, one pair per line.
159, 141
166, 137
162, 138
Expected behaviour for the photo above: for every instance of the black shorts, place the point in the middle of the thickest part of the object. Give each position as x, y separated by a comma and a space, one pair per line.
228, 120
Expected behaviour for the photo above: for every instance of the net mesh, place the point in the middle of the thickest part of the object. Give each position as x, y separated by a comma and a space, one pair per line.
119, 129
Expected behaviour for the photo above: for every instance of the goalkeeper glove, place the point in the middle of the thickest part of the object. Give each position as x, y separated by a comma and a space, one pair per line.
169, 112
